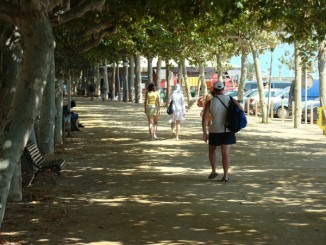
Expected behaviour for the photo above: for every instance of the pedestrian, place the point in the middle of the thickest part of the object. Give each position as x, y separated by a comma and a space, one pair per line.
218, 134
152, 109
91, 90
209, 96
179, 111
74, 117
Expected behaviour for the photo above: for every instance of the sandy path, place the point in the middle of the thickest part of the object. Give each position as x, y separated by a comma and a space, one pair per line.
121, 188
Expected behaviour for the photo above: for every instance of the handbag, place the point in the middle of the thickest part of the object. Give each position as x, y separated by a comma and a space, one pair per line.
170, 109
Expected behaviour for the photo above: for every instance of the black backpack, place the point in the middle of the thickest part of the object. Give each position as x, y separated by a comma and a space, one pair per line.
236, 118
170, 109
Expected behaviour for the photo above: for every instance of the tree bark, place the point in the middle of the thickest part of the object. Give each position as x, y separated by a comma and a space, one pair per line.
38, 46
202, 79
167, 79
297, 87
322, 72
149, 71
125, 80
259, 81
138, 82
11, 57
59, 108
106, 79
119, 82
113, 79
16, 190
244, 72
185, 78
131, 78
158, 72
97, 82
47, 114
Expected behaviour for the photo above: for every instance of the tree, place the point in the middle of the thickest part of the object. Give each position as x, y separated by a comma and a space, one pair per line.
32, 20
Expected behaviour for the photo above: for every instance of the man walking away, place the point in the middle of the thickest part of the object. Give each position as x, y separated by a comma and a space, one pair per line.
219, 134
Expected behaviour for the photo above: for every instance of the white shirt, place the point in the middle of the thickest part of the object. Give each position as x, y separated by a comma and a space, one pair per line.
219, 114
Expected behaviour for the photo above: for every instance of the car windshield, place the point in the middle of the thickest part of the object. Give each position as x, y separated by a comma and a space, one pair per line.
232, 93
283, 91
251, 93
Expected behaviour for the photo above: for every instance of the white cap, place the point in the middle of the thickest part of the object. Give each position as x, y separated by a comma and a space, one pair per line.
218, 85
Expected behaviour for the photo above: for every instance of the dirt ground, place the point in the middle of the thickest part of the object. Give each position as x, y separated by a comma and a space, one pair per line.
120, 188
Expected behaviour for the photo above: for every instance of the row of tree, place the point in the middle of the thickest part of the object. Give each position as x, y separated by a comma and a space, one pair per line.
44, 43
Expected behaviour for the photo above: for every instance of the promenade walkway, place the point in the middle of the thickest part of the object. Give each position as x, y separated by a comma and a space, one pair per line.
120, 188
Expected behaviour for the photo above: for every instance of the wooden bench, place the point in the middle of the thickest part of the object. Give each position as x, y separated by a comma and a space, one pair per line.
38, 164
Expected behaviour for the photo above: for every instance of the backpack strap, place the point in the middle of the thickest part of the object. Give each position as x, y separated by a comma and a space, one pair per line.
222, 102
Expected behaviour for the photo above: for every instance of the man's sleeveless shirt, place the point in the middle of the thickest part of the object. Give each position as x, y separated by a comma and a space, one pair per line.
219, 114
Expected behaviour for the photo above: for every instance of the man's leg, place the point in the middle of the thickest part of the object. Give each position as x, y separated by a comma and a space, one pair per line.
212, 160
225, 151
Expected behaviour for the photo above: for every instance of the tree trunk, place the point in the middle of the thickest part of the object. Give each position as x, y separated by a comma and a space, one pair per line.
113, 80
16, 190
259, 81
179, 72
202, 80
38, 53
125, 80
185, 77
138, 82
322, 72
59, 107
297, 87
11, 57
131, 78
149, 71
244, 72
219, 67
119, 82
47, 114
97, 74
158, 72
106, 79
322, 75
167, 79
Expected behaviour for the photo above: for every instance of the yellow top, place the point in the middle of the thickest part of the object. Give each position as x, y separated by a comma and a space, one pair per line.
151, 98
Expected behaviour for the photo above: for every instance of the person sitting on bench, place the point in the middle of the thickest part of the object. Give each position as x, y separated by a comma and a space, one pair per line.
74, 117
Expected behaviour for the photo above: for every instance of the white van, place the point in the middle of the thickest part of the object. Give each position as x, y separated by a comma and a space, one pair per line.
275, 84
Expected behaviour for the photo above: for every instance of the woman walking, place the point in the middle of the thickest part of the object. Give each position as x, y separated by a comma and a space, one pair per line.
179, 111
152, 109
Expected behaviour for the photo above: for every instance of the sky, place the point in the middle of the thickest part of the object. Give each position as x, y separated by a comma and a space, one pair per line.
265, 60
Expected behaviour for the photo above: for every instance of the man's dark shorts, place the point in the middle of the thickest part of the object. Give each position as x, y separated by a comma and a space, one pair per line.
218, 139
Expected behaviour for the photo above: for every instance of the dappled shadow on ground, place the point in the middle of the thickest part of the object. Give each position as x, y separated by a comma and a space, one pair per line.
121, 188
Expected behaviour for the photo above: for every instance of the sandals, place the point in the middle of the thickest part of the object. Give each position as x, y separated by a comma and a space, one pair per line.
213, 175
225, 180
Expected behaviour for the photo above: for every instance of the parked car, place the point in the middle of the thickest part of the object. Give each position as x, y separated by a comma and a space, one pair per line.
232, 93
250, 85
254, 98
312, 93
315, 105
280, 84
246, 96
274, 84
279, 97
